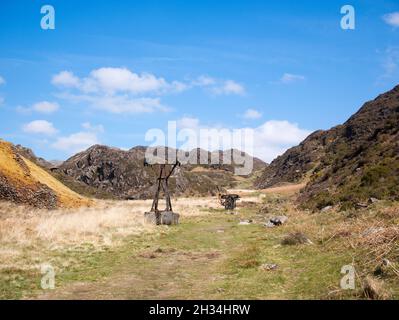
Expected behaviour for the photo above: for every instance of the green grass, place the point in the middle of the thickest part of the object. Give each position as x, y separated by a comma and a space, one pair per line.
205, 257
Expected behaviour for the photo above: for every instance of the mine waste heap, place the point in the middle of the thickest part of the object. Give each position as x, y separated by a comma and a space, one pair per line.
167, 216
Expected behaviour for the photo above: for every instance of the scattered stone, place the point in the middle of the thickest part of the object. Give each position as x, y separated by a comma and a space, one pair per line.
361, 205
268, 266
326, 209
279, 220
374, 289
296, 238
373, 200
245, 222
383, 268
269, 225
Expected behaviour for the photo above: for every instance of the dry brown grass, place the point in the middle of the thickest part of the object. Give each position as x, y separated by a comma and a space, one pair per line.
27, 234
286, 189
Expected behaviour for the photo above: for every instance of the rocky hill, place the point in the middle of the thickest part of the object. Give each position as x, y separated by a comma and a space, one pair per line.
122, 174
348, 164
297, 163
22, 181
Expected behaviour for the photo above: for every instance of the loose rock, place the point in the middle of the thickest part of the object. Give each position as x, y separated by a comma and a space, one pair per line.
268, 266
279, 220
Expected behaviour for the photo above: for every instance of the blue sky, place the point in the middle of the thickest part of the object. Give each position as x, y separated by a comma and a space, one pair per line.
112, 70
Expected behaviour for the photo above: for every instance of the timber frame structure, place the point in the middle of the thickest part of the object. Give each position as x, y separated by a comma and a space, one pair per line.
163, 216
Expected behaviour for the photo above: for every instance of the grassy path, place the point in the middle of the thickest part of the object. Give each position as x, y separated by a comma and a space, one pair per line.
207, 257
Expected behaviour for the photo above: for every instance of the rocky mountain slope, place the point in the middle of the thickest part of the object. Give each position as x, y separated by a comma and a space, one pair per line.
349, 163
122, 174
23, 181
297, 163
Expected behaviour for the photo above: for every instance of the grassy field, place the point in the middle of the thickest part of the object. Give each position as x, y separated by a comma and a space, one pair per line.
210, 255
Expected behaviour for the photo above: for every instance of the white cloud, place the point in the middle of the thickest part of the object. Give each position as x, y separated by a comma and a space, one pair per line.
118, 104
392, 19
119, 90
229, 87
252, 114
45, 107
281, 132
270, 139
76, 142
203, 81
114, 80
65, 79
288, 78
390, 65
93, 128
23, 110
188, 122
40, 127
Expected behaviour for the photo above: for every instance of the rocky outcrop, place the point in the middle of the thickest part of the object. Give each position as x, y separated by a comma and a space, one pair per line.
123, 174
298, 162
347, 164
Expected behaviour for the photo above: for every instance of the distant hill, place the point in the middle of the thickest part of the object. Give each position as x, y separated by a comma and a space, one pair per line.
23, 181
122, 174
349, 163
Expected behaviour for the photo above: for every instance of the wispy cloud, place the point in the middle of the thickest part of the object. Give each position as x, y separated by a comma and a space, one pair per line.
229, 87
219, 86
44, 107
390, 64
252, 114
288, 78
392, 19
